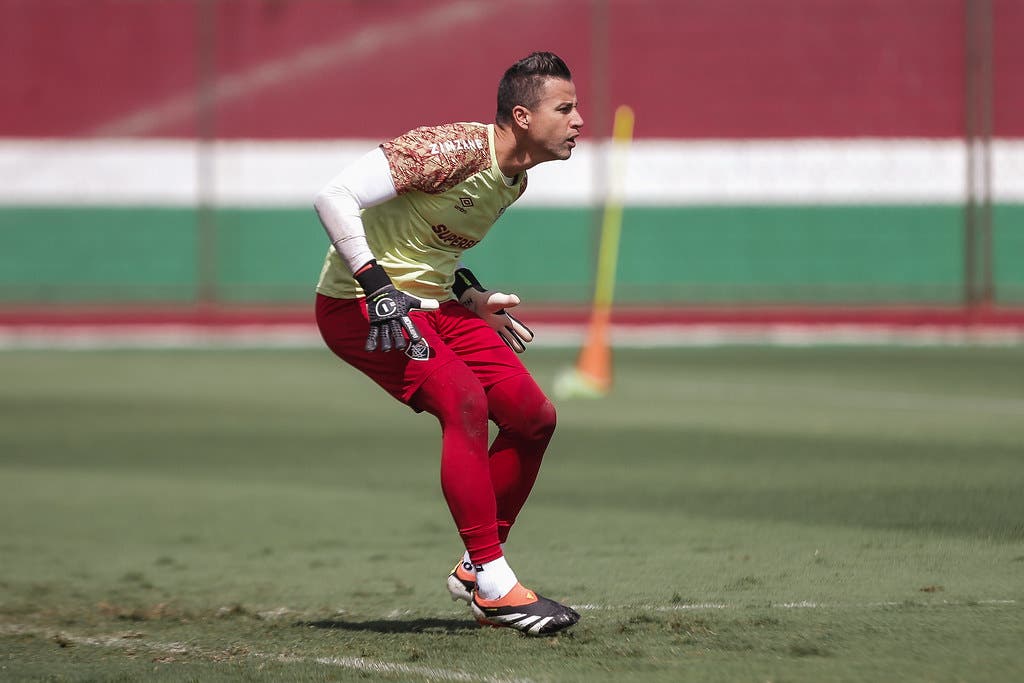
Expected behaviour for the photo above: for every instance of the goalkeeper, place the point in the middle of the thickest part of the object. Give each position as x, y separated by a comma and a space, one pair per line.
395, 302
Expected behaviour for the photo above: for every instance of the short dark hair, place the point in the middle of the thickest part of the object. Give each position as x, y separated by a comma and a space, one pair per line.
522, 82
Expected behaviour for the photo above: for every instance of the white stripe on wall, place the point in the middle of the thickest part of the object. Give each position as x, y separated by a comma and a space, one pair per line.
659, 172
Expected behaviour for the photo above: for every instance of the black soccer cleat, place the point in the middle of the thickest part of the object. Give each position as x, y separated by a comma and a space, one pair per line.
524, 611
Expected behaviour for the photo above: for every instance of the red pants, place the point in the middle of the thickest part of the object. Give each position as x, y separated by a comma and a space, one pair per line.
463, 374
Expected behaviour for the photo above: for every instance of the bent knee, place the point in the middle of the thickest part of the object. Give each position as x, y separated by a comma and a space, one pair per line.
544, 419
519, 407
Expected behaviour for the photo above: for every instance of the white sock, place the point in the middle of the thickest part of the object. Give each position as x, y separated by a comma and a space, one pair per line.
495, 579
467, 563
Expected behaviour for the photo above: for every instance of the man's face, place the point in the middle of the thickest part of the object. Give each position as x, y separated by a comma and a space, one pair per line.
555, 122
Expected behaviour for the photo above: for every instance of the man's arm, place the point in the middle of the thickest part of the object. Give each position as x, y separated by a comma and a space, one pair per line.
363, 184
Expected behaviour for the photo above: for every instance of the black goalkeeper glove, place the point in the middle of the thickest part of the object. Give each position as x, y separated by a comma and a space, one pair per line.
388, 309
491, 306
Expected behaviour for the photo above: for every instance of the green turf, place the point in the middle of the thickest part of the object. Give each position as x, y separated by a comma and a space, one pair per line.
737, 514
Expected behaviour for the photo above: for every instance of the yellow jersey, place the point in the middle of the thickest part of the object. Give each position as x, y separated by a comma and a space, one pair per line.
450, 193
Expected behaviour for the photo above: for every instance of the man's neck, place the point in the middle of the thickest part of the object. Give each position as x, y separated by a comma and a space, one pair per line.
512, 159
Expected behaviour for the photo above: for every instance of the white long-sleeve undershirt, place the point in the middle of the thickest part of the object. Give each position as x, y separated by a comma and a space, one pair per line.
362, 184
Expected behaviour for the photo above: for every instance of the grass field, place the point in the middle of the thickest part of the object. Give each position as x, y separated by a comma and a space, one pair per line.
734, 514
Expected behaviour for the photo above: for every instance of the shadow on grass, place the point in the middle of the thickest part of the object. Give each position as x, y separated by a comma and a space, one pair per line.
422, 625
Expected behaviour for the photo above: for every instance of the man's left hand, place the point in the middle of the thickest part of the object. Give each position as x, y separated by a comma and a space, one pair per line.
492, 307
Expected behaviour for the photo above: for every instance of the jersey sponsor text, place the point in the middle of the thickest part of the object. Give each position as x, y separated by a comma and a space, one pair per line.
449, 237
456, 145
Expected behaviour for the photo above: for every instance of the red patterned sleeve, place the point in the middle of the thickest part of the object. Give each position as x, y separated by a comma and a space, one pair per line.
436, 158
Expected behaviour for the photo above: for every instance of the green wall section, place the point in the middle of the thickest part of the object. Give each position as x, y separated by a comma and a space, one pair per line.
736, 254
96, 254
1008, 256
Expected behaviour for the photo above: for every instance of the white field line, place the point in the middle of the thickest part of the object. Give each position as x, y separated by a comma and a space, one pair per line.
800, 604
133, 641
430, 673
157, 336
790, 334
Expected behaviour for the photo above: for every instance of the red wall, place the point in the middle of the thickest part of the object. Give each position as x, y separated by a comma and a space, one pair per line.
364, 68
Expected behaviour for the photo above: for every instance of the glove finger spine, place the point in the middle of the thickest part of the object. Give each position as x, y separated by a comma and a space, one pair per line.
372, 338
396, 334
410, 328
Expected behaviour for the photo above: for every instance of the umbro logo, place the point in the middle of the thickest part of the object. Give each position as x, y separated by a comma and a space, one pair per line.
464, 204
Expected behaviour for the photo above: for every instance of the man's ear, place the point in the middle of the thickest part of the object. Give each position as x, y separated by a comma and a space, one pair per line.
521, 116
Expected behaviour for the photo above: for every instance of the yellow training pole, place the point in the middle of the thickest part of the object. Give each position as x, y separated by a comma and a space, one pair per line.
593, 372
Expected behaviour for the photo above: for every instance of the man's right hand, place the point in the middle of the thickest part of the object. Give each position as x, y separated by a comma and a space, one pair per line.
388, 310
